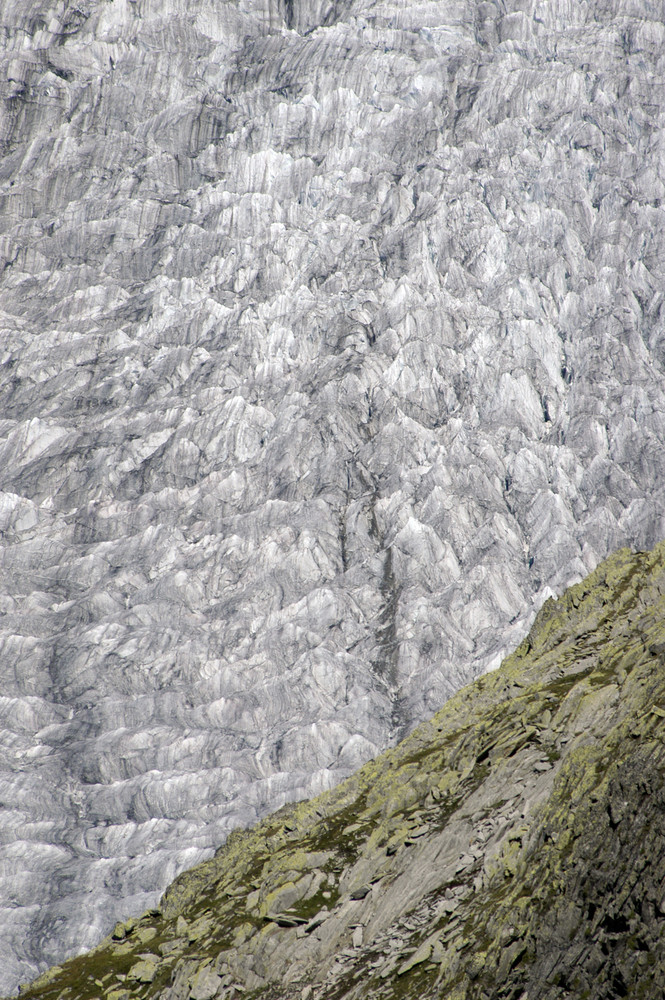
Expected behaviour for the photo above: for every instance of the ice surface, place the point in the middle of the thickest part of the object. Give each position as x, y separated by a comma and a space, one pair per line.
331, 342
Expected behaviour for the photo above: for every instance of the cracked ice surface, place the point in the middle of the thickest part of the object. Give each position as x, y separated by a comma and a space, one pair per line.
331, 342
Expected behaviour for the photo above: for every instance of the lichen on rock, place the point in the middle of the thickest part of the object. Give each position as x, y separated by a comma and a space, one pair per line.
530, 862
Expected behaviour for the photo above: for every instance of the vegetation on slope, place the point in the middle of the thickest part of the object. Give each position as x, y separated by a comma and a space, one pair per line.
512, 847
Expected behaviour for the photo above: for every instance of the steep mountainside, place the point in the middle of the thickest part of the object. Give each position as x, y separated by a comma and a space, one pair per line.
331, 343
513, 846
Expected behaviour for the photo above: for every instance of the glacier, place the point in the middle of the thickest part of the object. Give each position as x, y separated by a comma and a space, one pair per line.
332, 342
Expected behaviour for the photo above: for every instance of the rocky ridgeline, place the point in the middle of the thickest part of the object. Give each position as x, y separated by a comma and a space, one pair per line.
331, 343
512, 846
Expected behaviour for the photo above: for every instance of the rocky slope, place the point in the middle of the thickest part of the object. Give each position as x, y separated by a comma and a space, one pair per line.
513, 846
331, 341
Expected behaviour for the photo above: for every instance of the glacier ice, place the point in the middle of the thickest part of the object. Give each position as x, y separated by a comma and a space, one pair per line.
331, 343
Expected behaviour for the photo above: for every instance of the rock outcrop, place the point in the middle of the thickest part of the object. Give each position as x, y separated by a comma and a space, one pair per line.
513, 846
332, 343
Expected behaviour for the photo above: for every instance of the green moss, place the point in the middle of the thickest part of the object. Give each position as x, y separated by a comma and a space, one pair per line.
598, 636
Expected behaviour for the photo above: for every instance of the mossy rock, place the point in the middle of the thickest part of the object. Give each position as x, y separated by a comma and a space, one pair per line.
577, 715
